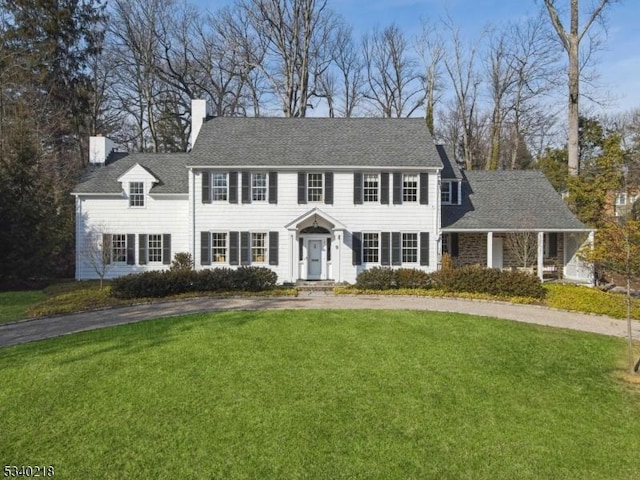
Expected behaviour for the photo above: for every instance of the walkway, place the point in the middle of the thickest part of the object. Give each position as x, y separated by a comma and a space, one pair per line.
41, 328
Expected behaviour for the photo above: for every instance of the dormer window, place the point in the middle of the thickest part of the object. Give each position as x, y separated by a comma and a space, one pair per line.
136, 194
449, 192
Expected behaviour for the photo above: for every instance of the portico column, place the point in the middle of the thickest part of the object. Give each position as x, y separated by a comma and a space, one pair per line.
489, 249
540, 255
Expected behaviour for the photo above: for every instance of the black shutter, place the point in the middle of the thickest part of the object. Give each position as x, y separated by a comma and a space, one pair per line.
424, 189
273, 187
300, 249
553, 244
245, 248
142, 249
302, 187
273, 248
166, 249
328, 249
396, 248
233, 248
384, 188
106, 248
233, 187
356, 248
424, 248
453, 248
385, 244
205, 248
246, 187
131, 249
454, 192
357, 188
397, 188
206, 187
328, 188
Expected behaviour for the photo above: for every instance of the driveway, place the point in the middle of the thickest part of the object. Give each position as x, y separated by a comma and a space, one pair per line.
42, 328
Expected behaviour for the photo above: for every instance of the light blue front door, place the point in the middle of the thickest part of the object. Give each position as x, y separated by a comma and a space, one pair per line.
314, 255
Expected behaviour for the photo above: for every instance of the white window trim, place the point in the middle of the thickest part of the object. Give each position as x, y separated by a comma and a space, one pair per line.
379, 248
137, 195
214, 187
254, 188
149, 235
322, 188
417, 189
265, 259
226, 248
417, 248
364, 189
449, 191
112, 248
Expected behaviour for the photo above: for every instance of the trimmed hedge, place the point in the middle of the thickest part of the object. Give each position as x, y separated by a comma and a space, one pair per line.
491, 281
174, 282
385, 278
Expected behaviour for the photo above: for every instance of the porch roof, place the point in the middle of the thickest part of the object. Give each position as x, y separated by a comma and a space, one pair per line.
509, 200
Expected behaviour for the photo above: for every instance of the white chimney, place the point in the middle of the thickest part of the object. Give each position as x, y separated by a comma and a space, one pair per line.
198, 115
99, 149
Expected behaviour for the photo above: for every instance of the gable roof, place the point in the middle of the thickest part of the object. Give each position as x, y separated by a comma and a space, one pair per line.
315, 142
507, 200
169, 169
450, 169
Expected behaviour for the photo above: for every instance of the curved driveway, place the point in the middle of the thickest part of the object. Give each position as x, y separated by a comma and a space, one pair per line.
41, 328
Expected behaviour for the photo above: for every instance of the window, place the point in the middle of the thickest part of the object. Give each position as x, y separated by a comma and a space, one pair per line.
445, 243
409, 188
258, 247
621, 199
218, 247
259, 187
136, 194
409, 248
370, 248
370, 187
445, 192
219, 187
154, 248
314, 187
118, 248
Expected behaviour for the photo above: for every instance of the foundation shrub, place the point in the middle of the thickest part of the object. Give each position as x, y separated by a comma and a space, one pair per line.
174, 282
476, 279
412, 278
386, 278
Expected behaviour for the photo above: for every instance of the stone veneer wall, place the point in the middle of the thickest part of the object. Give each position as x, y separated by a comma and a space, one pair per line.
472, 250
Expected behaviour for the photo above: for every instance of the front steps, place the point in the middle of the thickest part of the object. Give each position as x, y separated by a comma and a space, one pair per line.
315, 287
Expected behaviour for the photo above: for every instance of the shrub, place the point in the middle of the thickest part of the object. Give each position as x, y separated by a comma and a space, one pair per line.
412, 278
377, 278
385, 278
446, 263
182, 261
174, 282
491, 281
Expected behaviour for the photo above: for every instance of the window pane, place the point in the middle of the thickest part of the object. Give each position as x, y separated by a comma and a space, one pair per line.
155, 248
258, 247
259, 187
370, 247
314, 187
370, 187
136, 194
445, 243
445, 192
409, 188
118, 248
219, 187
219, 247
409, 248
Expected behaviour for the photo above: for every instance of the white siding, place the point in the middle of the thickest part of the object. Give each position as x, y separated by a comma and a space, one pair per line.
112, 215
368, 217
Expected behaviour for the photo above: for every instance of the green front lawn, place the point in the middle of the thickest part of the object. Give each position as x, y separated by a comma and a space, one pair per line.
14, 305
321, 394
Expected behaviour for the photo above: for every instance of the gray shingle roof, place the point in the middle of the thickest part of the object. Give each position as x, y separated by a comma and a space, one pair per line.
170, 169
509, 200
359, 142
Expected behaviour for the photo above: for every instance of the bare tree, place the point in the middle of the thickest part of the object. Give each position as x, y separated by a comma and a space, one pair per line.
523, 246
345, 82
431, 50
96, 251
394, 86
570, 40
465, 80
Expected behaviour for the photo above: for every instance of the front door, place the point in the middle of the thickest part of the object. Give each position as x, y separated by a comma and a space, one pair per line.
314, 254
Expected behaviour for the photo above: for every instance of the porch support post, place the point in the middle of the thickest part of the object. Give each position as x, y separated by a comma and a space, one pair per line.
592, 268
540, 255
489, 249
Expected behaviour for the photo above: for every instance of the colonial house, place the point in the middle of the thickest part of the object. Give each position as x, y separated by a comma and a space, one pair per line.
312, 199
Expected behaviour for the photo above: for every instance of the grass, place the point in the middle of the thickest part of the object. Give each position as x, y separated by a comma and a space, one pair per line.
321, 394
14, 305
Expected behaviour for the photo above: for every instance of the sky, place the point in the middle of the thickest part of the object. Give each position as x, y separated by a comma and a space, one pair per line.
618, 64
